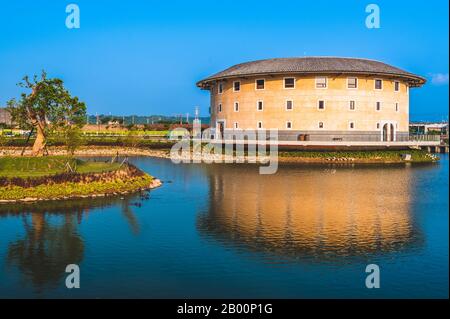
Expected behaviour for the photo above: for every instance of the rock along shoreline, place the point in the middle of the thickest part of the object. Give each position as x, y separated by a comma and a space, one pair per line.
154, 184
165, 154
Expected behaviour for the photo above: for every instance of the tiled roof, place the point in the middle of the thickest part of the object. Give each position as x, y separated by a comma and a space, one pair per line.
313, 65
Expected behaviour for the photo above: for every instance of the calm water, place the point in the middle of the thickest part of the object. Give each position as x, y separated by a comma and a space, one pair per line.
226, 231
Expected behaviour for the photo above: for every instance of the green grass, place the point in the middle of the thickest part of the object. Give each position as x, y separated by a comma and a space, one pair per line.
65, 190
416, 155
49, 165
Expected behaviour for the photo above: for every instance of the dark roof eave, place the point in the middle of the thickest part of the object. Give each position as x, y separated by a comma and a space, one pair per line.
414, 80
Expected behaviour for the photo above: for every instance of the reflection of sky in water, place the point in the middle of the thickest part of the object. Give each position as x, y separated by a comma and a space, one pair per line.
225, 231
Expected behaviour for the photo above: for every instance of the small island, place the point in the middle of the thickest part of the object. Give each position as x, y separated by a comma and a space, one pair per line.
48, 109
30, 179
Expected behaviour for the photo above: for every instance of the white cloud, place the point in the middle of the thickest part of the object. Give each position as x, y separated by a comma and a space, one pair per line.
439, 78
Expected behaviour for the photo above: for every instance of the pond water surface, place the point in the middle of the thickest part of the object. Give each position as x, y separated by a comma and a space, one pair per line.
226, 231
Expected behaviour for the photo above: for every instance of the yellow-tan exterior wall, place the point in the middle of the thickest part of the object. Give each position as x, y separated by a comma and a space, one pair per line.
305, 114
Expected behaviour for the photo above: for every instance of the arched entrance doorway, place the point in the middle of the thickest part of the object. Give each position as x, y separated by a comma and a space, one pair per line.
392, 133
385, 132
388, 132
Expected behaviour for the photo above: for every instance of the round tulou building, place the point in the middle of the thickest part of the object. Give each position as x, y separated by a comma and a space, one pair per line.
329, 100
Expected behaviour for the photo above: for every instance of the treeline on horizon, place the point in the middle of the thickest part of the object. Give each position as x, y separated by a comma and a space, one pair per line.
142, 120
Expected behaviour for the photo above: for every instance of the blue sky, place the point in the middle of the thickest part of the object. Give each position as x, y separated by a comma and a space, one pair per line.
144, 57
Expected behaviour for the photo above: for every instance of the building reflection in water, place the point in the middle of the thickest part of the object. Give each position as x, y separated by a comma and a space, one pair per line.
51, 238
312, 212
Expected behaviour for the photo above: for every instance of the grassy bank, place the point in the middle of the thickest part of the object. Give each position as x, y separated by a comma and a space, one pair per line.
124, 141
45, 178
417, 156
73, 190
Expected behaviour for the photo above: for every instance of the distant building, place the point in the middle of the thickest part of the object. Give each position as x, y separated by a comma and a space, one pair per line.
5, 117
429, 128
315, 99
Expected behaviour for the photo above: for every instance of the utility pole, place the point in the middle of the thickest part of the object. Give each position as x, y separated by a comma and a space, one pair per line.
196, 125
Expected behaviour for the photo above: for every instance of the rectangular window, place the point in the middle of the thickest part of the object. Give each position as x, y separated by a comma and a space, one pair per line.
289, 125
219, 109
260, 84
352, 83
321, 105
220, 88
396, 107
289, 83
352, 105
378, 107
236, 125
237, 86
260, 125
378, 84
236, 106
289, 105
396, 86
260, 105
378, 126
321, 82
320, 124
351, 125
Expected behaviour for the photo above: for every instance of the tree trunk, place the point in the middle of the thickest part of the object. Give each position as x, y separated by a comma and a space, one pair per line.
39, 143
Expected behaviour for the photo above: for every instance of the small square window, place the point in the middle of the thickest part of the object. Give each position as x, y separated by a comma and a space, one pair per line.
352, 83
260, 105
236, 86
352, 105
260, 125
321, 105
351, 125
289, 105
236, 106
288, 125
378, 84
289, 83
260, 84
320, 124
321, 82
220, 88
378, 107
378, 125
396, 86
